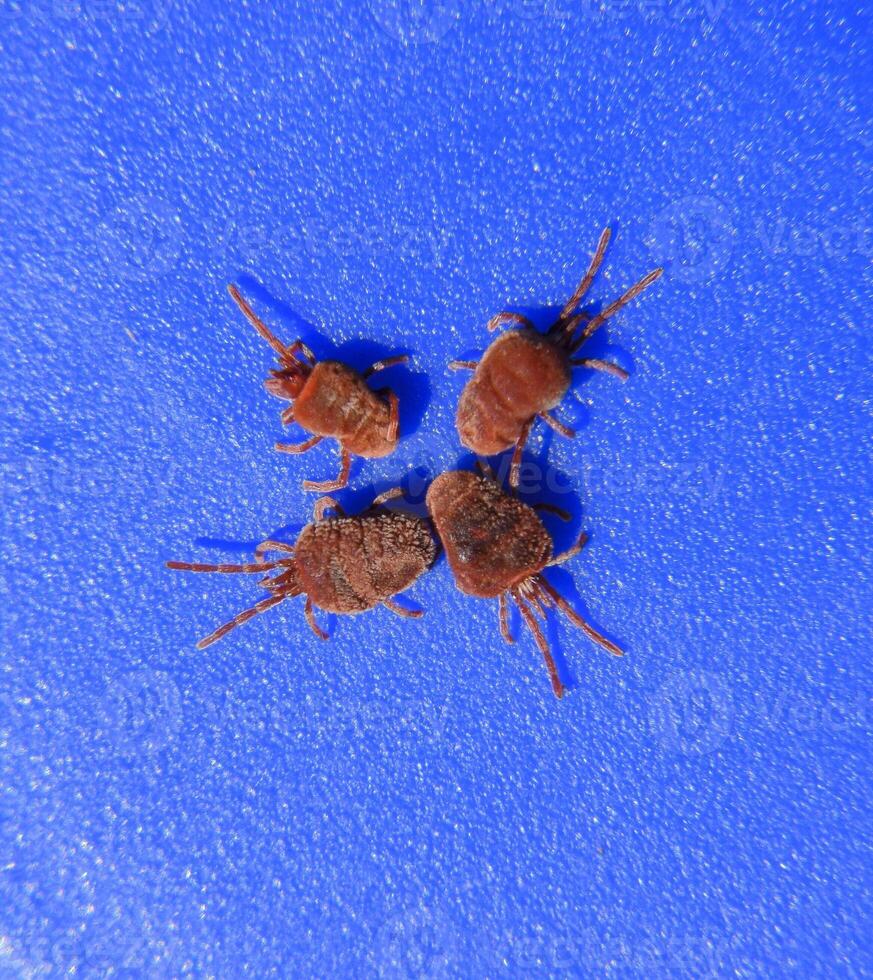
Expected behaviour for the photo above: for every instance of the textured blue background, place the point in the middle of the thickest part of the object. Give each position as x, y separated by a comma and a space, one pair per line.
409, 799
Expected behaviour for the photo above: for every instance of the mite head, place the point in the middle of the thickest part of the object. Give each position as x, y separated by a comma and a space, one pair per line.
288, 382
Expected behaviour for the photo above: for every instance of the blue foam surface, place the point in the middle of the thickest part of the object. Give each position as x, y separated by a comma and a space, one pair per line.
409, 799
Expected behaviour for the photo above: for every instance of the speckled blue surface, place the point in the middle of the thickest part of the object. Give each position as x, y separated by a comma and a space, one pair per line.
409, 799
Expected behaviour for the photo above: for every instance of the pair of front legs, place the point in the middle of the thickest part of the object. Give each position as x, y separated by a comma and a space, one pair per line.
533, 597
342, 479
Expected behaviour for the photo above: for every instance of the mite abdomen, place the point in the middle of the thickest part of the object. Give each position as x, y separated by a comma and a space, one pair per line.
520, 375
492, 541
336, 402
351, 564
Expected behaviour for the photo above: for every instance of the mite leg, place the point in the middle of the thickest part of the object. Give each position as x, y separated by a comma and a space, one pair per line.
243, 617
298, 447
383, 498
576, 619
503, 319
192, 566
399, 610
341, 481
485, 470
613, 308
570, 552
310, 618
559, 427
257, 322
540, 639
527, 592
307, 353
270, 545
567, 330
595, 364
387, 363
288, 415
588, 278
504, 619
394, 416
552, 509
515, 468
463, 365
325, 504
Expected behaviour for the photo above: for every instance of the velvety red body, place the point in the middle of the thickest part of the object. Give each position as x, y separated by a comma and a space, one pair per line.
336, 402
492, 541
350, 564
521, 374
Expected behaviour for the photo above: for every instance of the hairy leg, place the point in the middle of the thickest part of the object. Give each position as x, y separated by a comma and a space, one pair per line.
325, 504
399, 610
383, 498
386, 363
298, 447
588, 278
504, 619
269, 545
595, 364
613, 308
515, 468
193, 566
576, 619
341, 481
503, 319
541, 642
310, 618
559, 427
570, 552
243, 617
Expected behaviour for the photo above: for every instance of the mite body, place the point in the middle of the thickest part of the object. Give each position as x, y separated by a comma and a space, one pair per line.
341, 564
497, 547
524, 374
331, 401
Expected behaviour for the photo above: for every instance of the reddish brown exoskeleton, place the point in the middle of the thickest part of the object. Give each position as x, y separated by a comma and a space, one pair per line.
341, 564
330, 400
497, 547
524, 373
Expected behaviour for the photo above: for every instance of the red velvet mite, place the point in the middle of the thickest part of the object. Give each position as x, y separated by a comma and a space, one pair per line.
497, 547
341, 564
330, 400
524, 373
